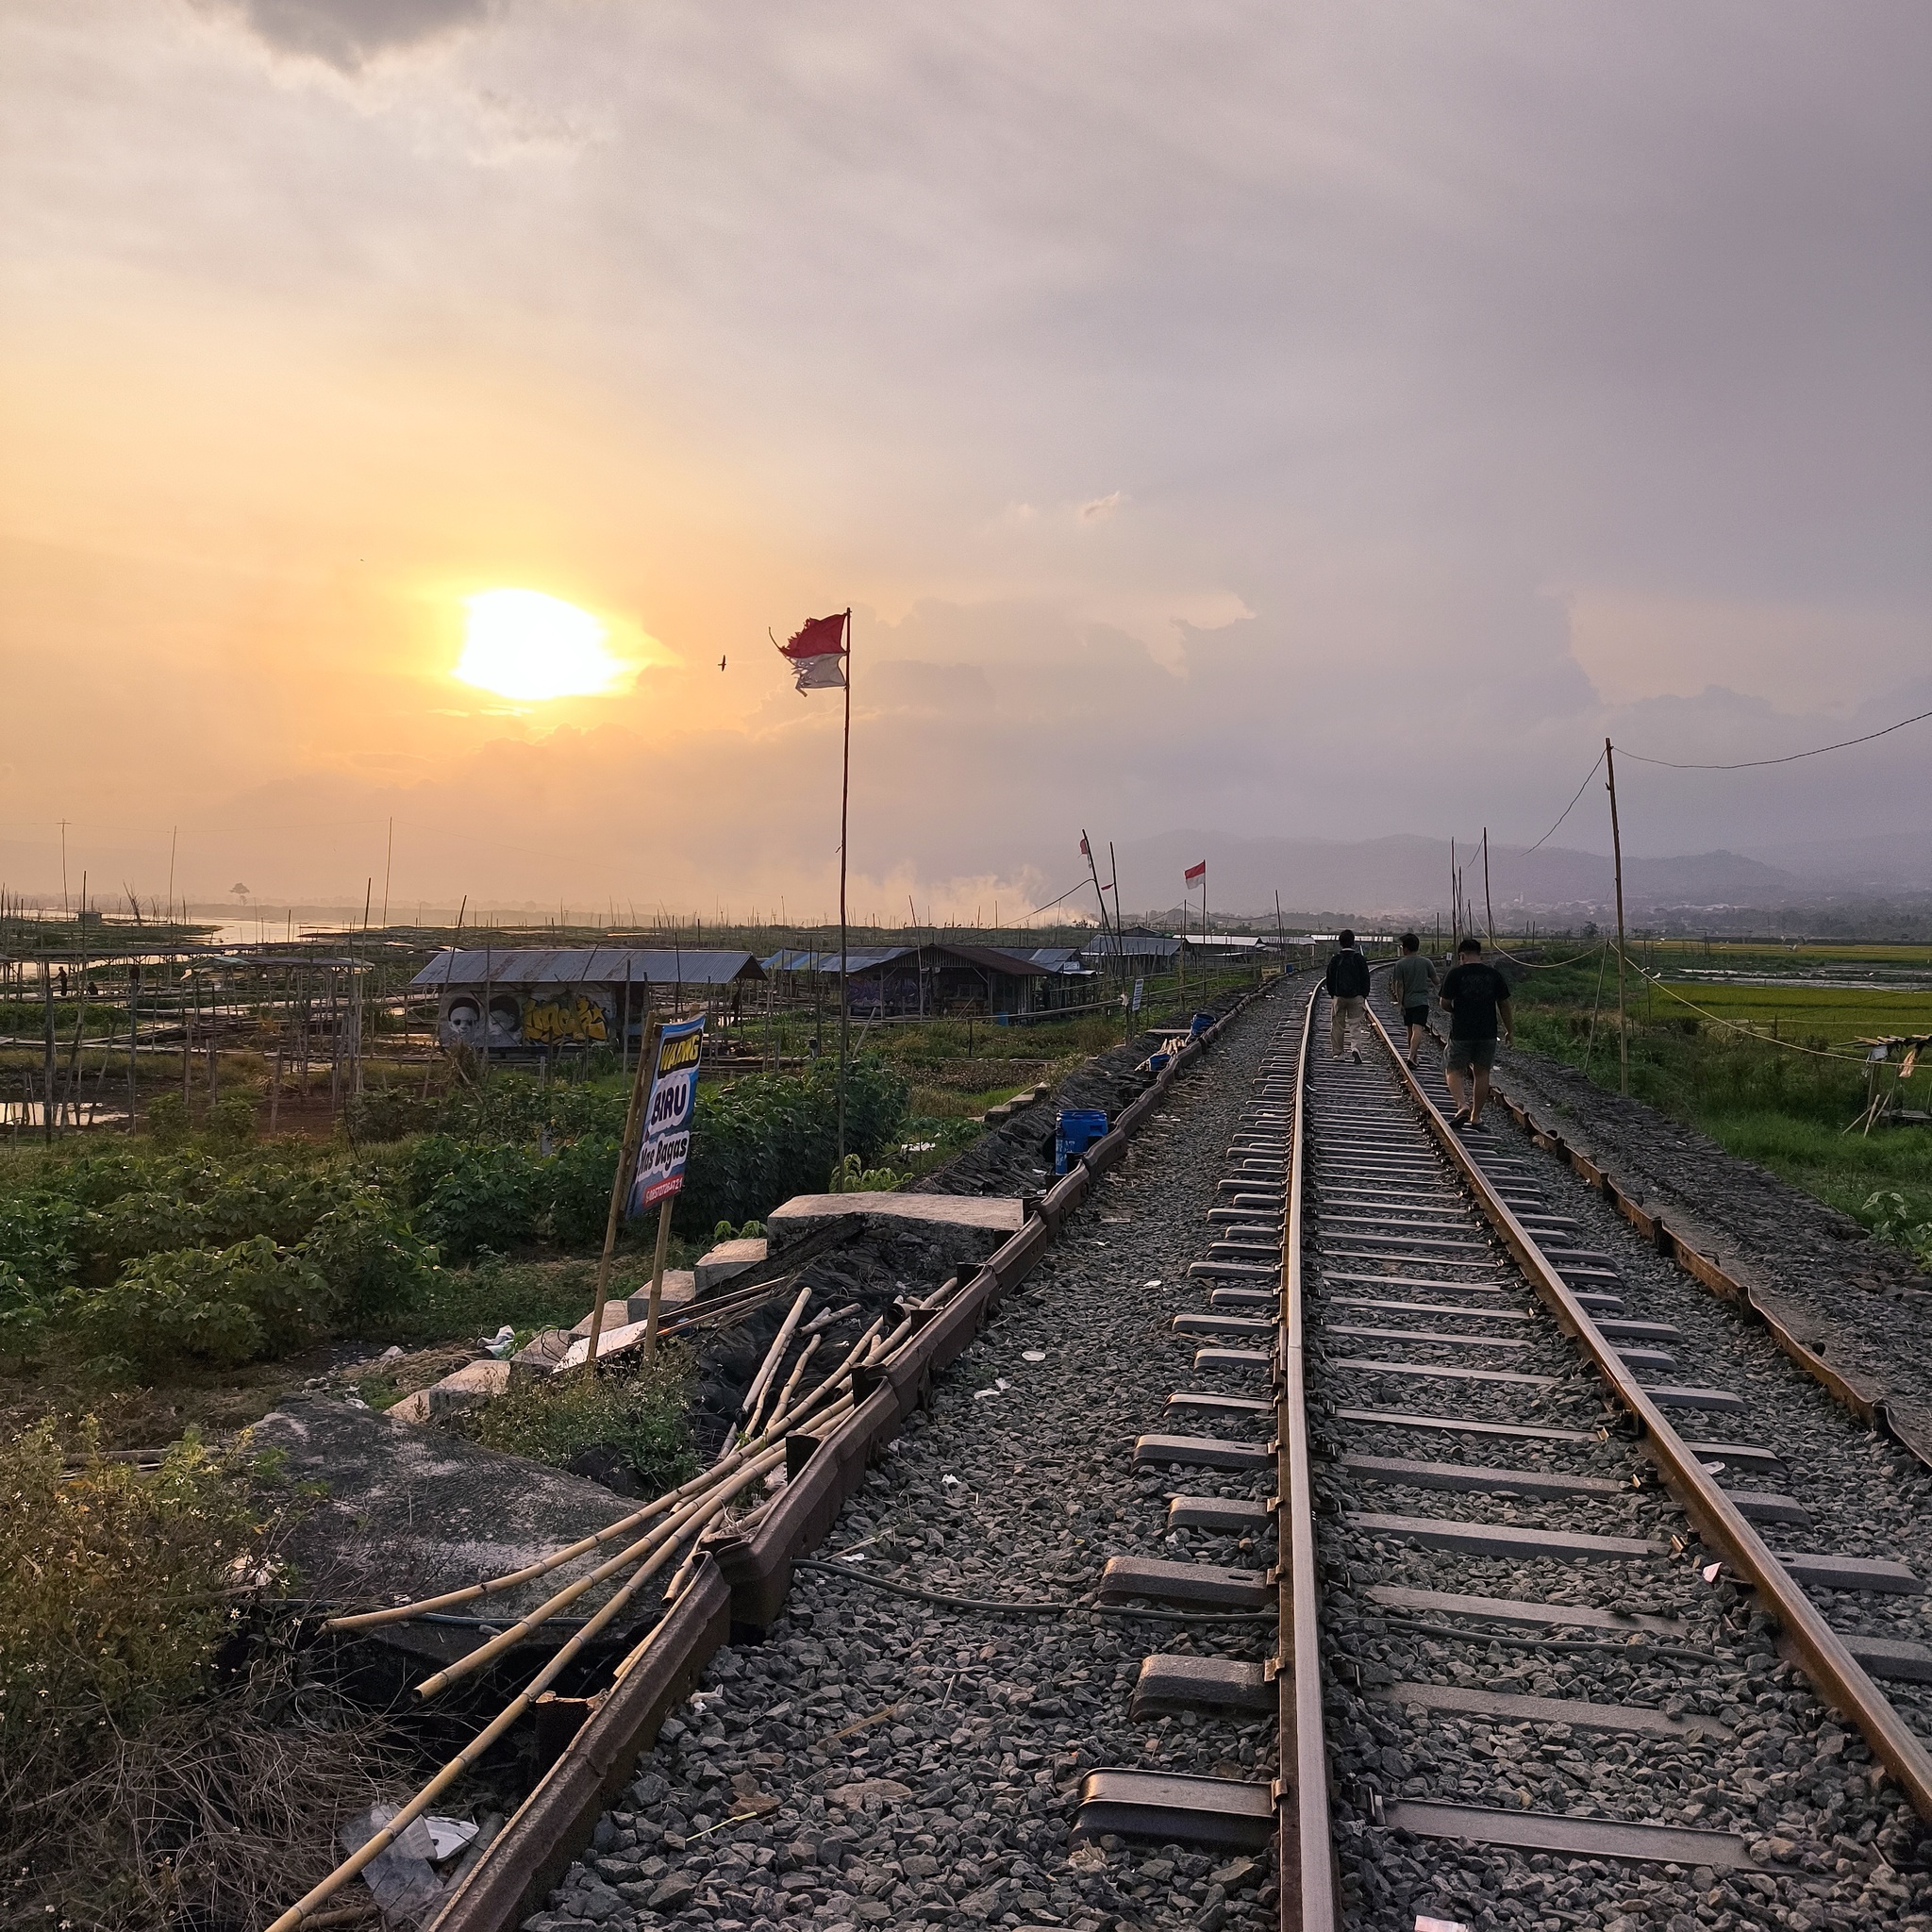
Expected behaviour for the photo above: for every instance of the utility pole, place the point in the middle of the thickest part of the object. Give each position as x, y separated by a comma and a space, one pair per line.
1617, 851
1488, 907
63, 868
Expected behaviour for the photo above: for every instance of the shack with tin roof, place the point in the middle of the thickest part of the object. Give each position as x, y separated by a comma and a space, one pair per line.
541, 999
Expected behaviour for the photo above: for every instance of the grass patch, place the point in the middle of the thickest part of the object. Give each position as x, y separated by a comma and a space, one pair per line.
162, 1760
1750, 1091
639, 1414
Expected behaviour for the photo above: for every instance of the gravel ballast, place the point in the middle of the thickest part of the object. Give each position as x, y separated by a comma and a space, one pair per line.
1860, 1303
911, 1763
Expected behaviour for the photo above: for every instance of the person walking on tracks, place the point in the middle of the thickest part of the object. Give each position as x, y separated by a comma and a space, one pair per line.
1411, 980
1347, 980
1477, 997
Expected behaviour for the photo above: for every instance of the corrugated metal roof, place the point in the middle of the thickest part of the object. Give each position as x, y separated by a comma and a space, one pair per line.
870, 958
598, 965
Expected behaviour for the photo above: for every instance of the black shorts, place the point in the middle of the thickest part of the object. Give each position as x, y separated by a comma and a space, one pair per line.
1415, 1016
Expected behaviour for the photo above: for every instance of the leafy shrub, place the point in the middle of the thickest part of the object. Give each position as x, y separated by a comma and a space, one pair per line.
224, 1306
852, 1177
115, 1591
386, 1113
769, 1136
145, 1223
643, 1415
367, 1257
40, 1239
1889, 1216
166, 1119
473, 1196
232, 1122
578, 1181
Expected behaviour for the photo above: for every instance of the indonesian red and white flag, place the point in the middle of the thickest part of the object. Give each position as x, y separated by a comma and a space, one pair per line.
1196, 872
1084, 853
816, 652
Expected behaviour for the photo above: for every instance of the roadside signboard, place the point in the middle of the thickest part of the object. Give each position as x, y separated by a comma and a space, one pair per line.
1139, 986
667, 1116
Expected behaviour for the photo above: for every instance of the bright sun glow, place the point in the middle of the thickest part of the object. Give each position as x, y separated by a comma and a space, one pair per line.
523, 644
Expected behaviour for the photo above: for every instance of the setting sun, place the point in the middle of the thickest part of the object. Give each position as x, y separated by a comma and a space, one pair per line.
523, 644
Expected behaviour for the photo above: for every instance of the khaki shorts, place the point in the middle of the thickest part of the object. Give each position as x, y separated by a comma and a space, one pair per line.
1465, 1053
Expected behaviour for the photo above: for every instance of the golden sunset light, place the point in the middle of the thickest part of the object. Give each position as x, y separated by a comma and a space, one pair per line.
524, 644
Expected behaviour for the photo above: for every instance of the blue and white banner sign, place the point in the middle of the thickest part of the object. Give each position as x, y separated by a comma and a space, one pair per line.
668, 1116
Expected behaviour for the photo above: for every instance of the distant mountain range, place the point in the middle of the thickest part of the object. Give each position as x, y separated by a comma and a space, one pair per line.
1409, 876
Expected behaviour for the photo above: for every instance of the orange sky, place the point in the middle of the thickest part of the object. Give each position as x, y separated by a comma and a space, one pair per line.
1169, 405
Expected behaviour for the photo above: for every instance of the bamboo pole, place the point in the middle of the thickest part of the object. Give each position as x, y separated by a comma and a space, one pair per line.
304, 1909
619, 1181
1616, 849
47, 1012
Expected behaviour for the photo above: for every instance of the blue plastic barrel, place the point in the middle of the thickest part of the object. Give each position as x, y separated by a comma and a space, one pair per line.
1074, 1131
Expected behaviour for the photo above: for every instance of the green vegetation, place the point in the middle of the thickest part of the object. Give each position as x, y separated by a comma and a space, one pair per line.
142, 1258
1770, 1078
129, 1797
640, 1413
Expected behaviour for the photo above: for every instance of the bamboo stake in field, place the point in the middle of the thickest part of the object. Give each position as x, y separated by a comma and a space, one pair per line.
619, 1181
654, 1307
47, 1088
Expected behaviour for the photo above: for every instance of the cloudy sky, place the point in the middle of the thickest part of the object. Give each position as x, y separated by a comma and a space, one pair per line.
1322, 423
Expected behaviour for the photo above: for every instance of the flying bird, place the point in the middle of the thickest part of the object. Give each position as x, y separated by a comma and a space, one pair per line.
721, 663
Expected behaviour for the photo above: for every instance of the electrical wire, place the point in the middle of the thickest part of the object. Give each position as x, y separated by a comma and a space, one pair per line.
1571, 806
1790, 757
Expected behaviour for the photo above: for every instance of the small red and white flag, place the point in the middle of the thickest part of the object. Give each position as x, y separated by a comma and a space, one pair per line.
1196, 872
816, 652
1084, 853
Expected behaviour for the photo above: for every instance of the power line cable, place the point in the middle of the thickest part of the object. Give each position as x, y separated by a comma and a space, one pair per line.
1568, 809
1790, 757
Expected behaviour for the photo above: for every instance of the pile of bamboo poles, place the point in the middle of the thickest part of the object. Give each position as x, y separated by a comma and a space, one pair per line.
663, 1529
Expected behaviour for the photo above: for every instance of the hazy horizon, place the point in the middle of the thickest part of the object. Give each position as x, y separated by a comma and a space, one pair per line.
1317, 428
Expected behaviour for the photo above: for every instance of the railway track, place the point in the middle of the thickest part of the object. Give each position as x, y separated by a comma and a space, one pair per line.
1532, 1605
1335, 1529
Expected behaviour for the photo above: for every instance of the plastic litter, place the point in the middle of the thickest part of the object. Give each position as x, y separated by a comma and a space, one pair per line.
502, 1343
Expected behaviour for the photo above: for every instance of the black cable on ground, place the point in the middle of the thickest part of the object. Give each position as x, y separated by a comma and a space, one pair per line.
1643, 1647
1049, 1610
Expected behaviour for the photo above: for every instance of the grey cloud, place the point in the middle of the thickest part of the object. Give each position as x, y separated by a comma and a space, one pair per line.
347, 34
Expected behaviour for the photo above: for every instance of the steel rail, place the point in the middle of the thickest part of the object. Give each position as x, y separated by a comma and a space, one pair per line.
1309, 1890
1835, 1674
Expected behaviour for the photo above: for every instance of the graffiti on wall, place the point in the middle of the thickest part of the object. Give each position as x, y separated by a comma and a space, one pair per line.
574, 1018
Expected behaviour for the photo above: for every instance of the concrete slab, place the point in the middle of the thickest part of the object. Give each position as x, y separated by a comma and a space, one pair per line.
727, 1260
408, 1512
472, 1385
807, 1214
680, 1286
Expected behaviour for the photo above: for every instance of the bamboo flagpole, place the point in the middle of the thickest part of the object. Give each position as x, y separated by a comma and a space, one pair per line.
819, 655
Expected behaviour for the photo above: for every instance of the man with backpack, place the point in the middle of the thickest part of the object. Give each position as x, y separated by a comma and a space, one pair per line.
1347, 980
1412, 981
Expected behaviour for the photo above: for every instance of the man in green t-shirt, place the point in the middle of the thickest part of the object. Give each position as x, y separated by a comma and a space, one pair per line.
1411, 980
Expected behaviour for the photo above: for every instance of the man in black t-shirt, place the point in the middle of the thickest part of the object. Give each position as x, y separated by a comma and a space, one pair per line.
1477, 997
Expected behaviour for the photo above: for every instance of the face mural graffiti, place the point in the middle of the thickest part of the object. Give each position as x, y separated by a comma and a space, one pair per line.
572, 1019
